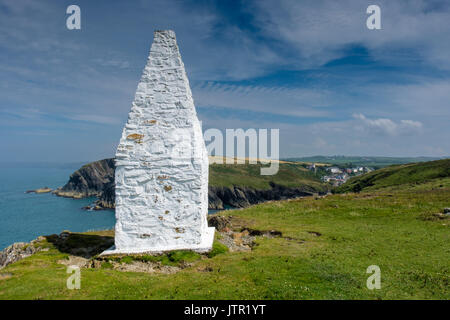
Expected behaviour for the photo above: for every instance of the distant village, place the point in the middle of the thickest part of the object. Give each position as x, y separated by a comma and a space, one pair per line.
337, 175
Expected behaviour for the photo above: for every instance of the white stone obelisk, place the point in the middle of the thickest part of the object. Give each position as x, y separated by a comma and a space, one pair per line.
161, 162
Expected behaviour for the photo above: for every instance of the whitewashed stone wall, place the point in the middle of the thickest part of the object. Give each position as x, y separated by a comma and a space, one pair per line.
161, 161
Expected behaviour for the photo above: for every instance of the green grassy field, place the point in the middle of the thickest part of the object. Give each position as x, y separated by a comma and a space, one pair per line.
412, 173
326, 246
289, 175
375, 162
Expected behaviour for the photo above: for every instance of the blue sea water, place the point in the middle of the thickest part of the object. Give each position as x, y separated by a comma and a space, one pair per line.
24, 217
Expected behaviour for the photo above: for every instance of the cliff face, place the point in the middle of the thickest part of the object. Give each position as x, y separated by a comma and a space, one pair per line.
108, 197
97, 179
241, 197
90, 180
17, 251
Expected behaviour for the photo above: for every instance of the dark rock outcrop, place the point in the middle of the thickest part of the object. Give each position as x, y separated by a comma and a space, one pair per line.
107, 198
40, 190
97, 179
90, 180
221, 223
241, 197
79, 244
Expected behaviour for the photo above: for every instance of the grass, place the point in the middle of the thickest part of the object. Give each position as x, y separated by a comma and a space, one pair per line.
173, 258
248, 175
218, 248
326, 247
375, 162
413, 173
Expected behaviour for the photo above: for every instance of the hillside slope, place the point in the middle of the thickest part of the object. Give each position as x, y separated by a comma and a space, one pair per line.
248, 175
412, 173
229, 185
375, 162
309, 248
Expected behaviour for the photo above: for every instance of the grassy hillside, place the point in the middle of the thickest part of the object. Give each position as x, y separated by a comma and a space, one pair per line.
412, 173
375, 162
289, 175
324, 251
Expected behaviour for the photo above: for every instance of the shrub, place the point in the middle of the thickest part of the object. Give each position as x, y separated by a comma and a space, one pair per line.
217, 248
107, 265
127, 260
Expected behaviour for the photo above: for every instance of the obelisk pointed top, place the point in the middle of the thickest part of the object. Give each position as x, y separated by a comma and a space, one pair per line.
169, 32
164, 35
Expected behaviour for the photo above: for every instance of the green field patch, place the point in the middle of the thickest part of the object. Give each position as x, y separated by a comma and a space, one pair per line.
326, 246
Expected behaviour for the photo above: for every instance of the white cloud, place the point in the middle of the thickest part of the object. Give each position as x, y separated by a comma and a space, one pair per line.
411, 124
114, 63
57, 73
101, 119
319, 30
275, 100
387, 126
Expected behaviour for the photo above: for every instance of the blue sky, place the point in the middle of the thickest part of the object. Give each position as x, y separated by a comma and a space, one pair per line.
310, 68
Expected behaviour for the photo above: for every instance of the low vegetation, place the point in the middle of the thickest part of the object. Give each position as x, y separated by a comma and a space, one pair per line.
249, 175
326, 246
413, 173
374, 162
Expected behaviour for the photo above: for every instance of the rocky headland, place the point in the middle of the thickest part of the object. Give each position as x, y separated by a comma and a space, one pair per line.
96, 179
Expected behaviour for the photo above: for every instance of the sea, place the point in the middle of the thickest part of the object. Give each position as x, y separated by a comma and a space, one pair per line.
25, 216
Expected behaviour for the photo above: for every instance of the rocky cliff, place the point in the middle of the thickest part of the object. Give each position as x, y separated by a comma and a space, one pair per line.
97, 179
90, 180
17, 251
241, 197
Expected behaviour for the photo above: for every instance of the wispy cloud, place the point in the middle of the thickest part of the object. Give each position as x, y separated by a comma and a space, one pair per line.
387, 126
319, 30
269, 99
101, 119
269, 64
